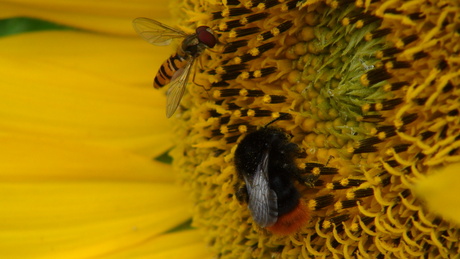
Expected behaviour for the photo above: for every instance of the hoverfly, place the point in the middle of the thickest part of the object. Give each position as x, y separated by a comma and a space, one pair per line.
176, 69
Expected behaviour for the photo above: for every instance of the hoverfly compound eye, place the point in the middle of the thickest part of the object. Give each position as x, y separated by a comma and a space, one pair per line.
206, 36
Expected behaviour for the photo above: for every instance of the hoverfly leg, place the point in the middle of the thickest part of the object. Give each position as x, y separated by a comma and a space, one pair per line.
194, 74
202, 86
241, 193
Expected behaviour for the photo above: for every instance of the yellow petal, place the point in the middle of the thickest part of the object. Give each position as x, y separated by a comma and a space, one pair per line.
441, 191
103, 16
183, 244
31, 158
84, 87
84, 219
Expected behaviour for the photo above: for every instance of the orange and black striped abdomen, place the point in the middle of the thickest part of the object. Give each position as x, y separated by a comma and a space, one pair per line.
167, 70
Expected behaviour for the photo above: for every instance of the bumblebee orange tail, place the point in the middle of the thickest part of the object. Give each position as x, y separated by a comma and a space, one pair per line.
291, 222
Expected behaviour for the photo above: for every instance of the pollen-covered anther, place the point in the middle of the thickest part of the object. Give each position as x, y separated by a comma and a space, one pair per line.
395, 86
234, 45
275, 31
321, 202
235, 33
366, 107
243, 92
276, 115
351, 182
405, 120
382, 135
401, 148
377, 34
334, 4
232, 34
363, 149
359, 3
344, 184
397, 64
329, 170
316, 171
232, 139
251, 113
257, 74
346, 204
225, 12
337, 220
229, 69
237, 60
244, 75
261, 6
384, 106
420, 55
375, 76
242, 129
327, 224
236, 128
346, 21
377, 107
373, 118
359, 24
248, 4
289, 5
400, 43
254, 51
223, 26
360, 193
255, 93
238, 113
274, 99
388, 52
223, 129
237, 11
220, 70
226, 93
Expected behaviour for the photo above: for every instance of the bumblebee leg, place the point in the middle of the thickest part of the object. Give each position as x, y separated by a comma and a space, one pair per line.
241, 193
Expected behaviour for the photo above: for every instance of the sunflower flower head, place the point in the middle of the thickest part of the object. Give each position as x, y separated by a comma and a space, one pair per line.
367, 89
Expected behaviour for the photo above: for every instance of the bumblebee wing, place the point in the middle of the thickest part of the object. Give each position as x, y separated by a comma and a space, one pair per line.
263, 202
177, 88
156, 32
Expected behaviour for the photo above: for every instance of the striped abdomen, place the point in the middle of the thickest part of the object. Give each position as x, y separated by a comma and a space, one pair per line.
167, 70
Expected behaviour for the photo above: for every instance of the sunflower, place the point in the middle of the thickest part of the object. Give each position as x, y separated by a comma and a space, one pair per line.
367, 89
81, 127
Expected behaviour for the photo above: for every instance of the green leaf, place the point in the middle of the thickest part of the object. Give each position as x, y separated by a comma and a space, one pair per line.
22, 24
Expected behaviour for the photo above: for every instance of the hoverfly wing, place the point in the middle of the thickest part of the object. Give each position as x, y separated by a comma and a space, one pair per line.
177, 88
155, 32
263, 201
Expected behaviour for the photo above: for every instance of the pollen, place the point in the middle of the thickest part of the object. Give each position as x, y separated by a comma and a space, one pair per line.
369, 92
